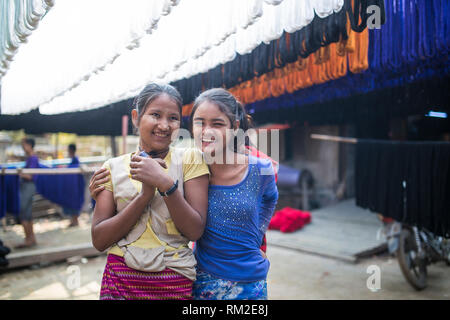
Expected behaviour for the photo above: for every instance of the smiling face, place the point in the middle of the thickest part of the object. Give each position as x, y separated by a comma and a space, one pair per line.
157, 123
209, 127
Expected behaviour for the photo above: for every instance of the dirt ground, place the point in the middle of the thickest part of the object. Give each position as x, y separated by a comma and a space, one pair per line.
293, 275
296, 275
51, 231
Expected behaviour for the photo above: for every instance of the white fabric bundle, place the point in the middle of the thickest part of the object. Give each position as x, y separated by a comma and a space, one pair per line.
17, 20
76, 39
196, 36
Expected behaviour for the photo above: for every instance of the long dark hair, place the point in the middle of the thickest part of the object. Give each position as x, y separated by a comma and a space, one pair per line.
229, 105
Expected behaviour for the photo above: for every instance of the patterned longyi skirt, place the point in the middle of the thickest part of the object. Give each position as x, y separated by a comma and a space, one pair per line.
123, 283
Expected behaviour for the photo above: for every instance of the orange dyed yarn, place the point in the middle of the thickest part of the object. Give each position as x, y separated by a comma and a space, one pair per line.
328, 63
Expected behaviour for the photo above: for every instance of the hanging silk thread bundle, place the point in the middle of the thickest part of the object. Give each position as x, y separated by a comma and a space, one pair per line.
416, 35
328, 63
266, 57
286, 64
410, 51
408, 20
413, 45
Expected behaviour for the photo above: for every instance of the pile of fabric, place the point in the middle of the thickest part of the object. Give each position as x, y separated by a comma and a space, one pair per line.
289, 220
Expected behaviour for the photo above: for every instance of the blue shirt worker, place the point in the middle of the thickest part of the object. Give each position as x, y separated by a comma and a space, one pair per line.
27, 190
73, 213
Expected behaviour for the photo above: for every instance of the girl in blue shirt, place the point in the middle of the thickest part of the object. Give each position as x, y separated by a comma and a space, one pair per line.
241, 200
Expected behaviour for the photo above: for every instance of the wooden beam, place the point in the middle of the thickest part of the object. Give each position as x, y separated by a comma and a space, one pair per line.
46, 255
312, 250
4, 171
382, 248
333, 138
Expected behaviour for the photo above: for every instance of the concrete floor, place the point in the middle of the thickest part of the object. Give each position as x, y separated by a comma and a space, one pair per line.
297, 275
342, 231
293, 276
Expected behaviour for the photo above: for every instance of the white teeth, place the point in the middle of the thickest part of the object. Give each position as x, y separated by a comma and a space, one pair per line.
160, 135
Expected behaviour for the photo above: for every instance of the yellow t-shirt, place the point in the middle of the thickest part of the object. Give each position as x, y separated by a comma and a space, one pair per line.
193, 166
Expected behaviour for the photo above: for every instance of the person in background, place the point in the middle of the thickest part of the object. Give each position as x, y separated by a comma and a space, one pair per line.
73, 213
72, 149
27, 190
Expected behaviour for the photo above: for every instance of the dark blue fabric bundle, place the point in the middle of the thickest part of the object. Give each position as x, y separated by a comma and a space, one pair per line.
412, 46
66, 190
406, 181
9, 195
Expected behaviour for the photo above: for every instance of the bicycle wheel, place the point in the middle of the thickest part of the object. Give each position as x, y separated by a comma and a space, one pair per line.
413, 268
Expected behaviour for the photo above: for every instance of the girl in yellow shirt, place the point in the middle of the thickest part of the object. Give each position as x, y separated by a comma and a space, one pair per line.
149, 208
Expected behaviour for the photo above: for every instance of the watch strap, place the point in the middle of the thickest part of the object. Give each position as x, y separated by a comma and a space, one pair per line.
170, 191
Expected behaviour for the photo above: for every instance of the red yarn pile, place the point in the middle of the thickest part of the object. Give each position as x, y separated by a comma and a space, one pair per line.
289, 219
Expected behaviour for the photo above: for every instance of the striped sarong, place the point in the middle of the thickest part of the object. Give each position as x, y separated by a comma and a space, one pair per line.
123, 283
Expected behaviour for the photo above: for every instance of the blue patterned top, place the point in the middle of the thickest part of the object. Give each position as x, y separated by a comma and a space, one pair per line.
238, 216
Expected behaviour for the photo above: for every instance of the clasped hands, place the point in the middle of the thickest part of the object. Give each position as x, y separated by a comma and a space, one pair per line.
150, 172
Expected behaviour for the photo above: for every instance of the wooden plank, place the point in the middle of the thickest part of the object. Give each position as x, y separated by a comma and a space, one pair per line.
46, 255
49, 171
373, 251
333, 138
313, 250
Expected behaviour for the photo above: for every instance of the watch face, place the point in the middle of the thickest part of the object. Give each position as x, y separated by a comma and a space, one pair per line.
144, 154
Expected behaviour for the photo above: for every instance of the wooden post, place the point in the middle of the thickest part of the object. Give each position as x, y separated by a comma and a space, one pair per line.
113, 146
56, 145
305, 195
40, 171
124, 133
333, 138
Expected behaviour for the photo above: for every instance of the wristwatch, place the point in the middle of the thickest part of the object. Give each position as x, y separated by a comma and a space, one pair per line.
170, 191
